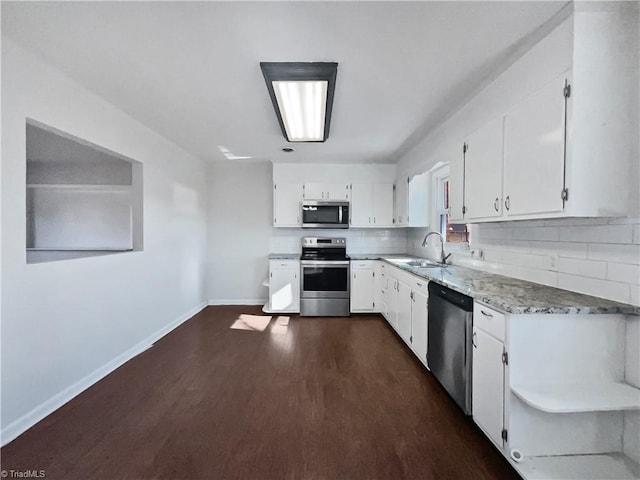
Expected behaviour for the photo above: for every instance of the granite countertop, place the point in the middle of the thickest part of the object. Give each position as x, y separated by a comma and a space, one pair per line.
510, 294
284, 256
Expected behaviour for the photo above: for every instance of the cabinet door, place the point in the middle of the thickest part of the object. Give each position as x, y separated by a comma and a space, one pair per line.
419, 325
404, 312
402, 202
488, 384
534, 152
362, 290
314, 191
391, 296
336, 191
483, 171
286, 204
456, 186
361, 205
419, 200
284, 290
382, 195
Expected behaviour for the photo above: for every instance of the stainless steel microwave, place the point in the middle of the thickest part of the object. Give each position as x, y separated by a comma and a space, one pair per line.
319, 214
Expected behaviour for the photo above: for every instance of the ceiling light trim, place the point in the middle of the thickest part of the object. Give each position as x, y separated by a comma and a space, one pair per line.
302, 72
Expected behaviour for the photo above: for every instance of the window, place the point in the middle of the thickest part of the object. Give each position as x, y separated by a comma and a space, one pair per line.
451, 232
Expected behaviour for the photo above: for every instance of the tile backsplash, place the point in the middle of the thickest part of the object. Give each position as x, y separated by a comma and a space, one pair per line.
596, 256
359, 240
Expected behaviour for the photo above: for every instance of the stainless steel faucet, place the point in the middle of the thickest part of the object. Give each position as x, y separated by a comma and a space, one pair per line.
443, 258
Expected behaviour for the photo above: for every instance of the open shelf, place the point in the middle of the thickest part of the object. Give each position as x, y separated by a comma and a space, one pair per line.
612, 466
580, 397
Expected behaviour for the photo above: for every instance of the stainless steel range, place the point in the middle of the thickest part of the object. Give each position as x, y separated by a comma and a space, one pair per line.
324, 286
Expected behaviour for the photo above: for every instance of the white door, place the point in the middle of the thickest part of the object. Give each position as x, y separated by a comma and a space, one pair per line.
419, 326
382, 195
361, 205
483, 171
402, 202
534, 152
284, 290
362, 290
456, 185
404, 312
314, 191
418, 212
286, 204
336, 191
488, 384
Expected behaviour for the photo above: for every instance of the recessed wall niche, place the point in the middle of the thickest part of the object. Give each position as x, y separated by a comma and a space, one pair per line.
83, 200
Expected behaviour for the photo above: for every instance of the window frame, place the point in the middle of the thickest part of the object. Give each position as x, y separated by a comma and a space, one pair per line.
439, 177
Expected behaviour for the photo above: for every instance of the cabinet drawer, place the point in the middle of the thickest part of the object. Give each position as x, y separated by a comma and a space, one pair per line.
419, 285
362, 264
283, 264
489, 320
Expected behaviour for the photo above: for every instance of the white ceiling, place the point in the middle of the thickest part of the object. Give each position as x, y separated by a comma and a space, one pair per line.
190, 70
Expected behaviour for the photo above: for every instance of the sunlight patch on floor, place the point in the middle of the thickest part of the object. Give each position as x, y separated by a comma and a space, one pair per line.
256, 323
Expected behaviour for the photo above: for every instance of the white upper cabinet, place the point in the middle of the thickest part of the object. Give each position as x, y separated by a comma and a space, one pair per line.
326, 191
371, 205
418, 212
287, 198
483, 171
402, 202
456, 186
534, 160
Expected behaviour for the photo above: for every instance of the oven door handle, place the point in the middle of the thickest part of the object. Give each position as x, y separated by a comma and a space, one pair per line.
324, 263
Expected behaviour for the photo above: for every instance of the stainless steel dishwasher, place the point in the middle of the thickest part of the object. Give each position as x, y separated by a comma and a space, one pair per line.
449, 342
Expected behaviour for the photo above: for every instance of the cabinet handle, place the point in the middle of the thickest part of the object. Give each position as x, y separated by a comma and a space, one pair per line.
486, 314
369, 219
374, 219
507, 202
474, 340
496, 203
418, 284
298, 219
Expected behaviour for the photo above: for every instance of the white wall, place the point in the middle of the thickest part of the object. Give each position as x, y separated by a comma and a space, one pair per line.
241, 233
65, 324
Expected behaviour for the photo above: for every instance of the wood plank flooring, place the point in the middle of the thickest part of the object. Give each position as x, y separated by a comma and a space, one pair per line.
327, 398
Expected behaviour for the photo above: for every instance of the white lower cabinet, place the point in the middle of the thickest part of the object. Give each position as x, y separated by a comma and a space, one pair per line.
419, 319
362, 286
550, 390
488, 384
284, 286
406, 304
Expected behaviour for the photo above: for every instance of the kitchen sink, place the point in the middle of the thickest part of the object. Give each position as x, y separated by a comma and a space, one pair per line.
419, 263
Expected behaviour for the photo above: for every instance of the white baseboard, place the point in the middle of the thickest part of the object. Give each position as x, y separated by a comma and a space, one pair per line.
28, 420
238, 301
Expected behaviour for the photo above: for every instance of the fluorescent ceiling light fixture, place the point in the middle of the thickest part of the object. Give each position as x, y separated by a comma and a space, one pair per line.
302, 96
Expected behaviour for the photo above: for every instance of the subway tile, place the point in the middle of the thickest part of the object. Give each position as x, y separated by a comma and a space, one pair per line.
636, 234
614, 253
623, 272
585, 268
616, 291
562, 249
527, 260
598, 234
635, 295
537, 233
568, 222
624, 221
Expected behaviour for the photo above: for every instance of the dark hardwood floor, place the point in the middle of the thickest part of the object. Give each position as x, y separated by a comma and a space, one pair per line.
330, 398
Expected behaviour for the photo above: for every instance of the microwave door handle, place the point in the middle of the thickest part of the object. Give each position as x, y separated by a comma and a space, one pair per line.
340, 215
